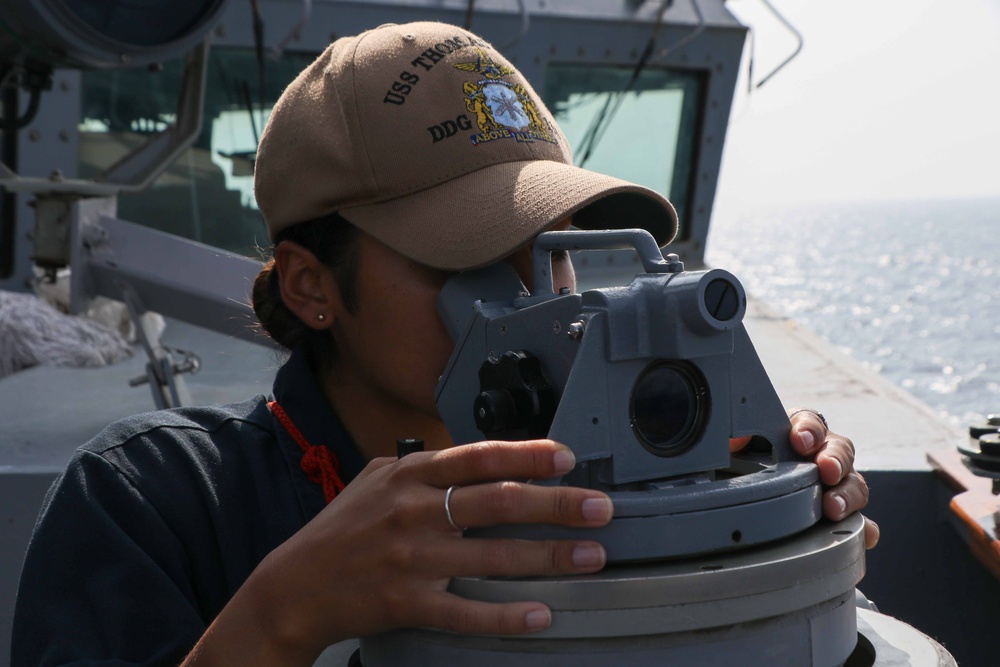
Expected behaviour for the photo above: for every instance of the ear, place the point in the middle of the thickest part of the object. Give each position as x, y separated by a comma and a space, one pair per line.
308, 288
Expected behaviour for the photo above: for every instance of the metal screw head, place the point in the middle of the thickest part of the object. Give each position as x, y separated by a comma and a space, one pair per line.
674, 263
493, 357
503, 329
556, 327
575, 330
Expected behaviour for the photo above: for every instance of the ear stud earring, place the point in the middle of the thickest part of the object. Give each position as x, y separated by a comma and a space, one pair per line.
321, 317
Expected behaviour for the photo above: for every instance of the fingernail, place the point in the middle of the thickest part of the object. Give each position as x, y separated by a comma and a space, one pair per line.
808, 441
840, 470
564, 461
538, 619
841, 504
597, 509
588, 556
874, 538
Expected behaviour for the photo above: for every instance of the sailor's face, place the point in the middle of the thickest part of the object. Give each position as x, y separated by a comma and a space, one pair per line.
394, 347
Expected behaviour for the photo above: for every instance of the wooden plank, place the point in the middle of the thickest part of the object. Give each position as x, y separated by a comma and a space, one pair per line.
974, 504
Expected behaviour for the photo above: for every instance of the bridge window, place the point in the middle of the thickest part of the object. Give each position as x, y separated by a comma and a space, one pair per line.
207, 194
645, 132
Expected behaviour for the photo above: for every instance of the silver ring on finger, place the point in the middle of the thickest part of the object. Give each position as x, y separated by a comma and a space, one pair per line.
815, 412
447, 508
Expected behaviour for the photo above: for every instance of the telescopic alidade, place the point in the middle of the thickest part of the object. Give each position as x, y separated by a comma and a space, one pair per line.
714, 559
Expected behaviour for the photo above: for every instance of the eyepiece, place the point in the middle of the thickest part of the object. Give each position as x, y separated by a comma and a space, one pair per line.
722, 300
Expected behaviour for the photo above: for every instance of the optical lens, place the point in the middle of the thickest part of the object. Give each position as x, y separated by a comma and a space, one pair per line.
669, 407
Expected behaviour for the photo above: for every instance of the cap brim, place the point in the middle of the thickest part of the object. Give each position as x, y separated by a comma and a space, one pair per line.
480, 217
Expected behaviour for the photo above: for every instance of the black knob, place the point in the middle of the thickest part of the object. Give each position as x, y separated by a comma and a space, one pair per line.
515, 400
406, 446
977, 431
495, 411
989, 445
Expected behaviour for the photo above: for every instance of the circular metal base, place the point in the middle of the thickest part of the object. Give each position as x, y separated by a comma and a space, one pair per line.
698, 518
884, 641
790, 602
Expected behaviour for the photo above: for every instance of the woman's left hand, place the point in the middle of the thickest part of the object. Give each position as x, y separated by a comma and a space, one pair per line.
833, 453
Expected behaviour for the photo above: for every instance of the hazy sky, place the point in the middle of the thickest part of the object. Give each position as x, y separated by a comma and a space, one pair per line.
889, 99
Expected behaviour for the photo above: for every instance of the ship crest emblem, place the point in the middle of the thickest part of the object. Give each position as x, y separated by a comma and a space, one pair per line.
503, 110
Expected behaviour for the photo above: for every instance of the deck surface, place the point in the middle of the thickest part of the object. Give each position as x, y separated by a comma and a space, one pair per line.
890, 428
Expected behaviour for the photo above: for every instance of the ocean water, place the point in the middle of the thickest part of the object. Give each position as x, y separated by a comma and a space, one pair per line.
910, 289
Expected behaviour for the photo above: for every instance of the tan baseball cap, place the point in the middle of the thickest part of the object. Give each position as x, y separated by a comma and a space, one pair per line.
425, 137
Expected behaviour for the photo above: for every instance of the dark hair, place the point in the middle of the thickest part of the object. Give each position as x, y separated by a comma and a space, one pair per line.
333, 240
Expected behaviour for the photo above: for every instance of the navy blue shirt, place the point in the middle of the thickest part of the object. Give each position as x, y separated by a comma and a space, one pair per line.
158, 521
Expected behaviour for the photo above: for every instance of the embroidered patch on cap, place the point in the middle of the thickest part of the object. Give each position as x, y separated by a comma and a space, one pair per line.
503, 110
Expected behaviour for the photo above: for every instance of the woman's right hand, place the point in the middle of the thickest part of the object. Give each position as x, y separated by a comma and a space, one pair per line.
381, 554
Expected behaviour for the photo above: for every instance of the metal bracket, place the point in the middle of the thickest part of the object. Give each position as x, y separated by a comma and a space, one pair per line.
162, 373
173, 276
798, 48
54, 196
143, 165
153, 271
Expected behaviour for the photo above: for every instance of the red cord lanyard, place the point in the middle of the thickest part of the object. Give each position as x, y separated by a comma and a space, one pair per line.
318, 463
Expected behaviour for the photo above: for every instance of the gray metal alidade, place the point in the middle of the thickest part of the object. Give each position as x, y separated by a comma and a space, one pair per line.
646, 383
714, 559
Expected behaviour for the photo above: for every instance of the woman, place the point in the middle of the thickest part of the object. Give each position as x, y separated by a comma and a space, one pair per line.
263, 532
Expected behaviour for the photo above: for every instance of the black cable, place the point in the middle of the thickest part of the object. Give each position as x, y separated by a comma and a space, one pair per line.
35, 77
602, 120
258, 44
248, 102
469, 9
31, 111
8, 200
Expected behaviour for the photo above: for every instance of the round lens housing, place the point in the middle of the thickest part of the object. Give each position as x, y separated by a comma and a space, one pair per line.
143, 24
669, 407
